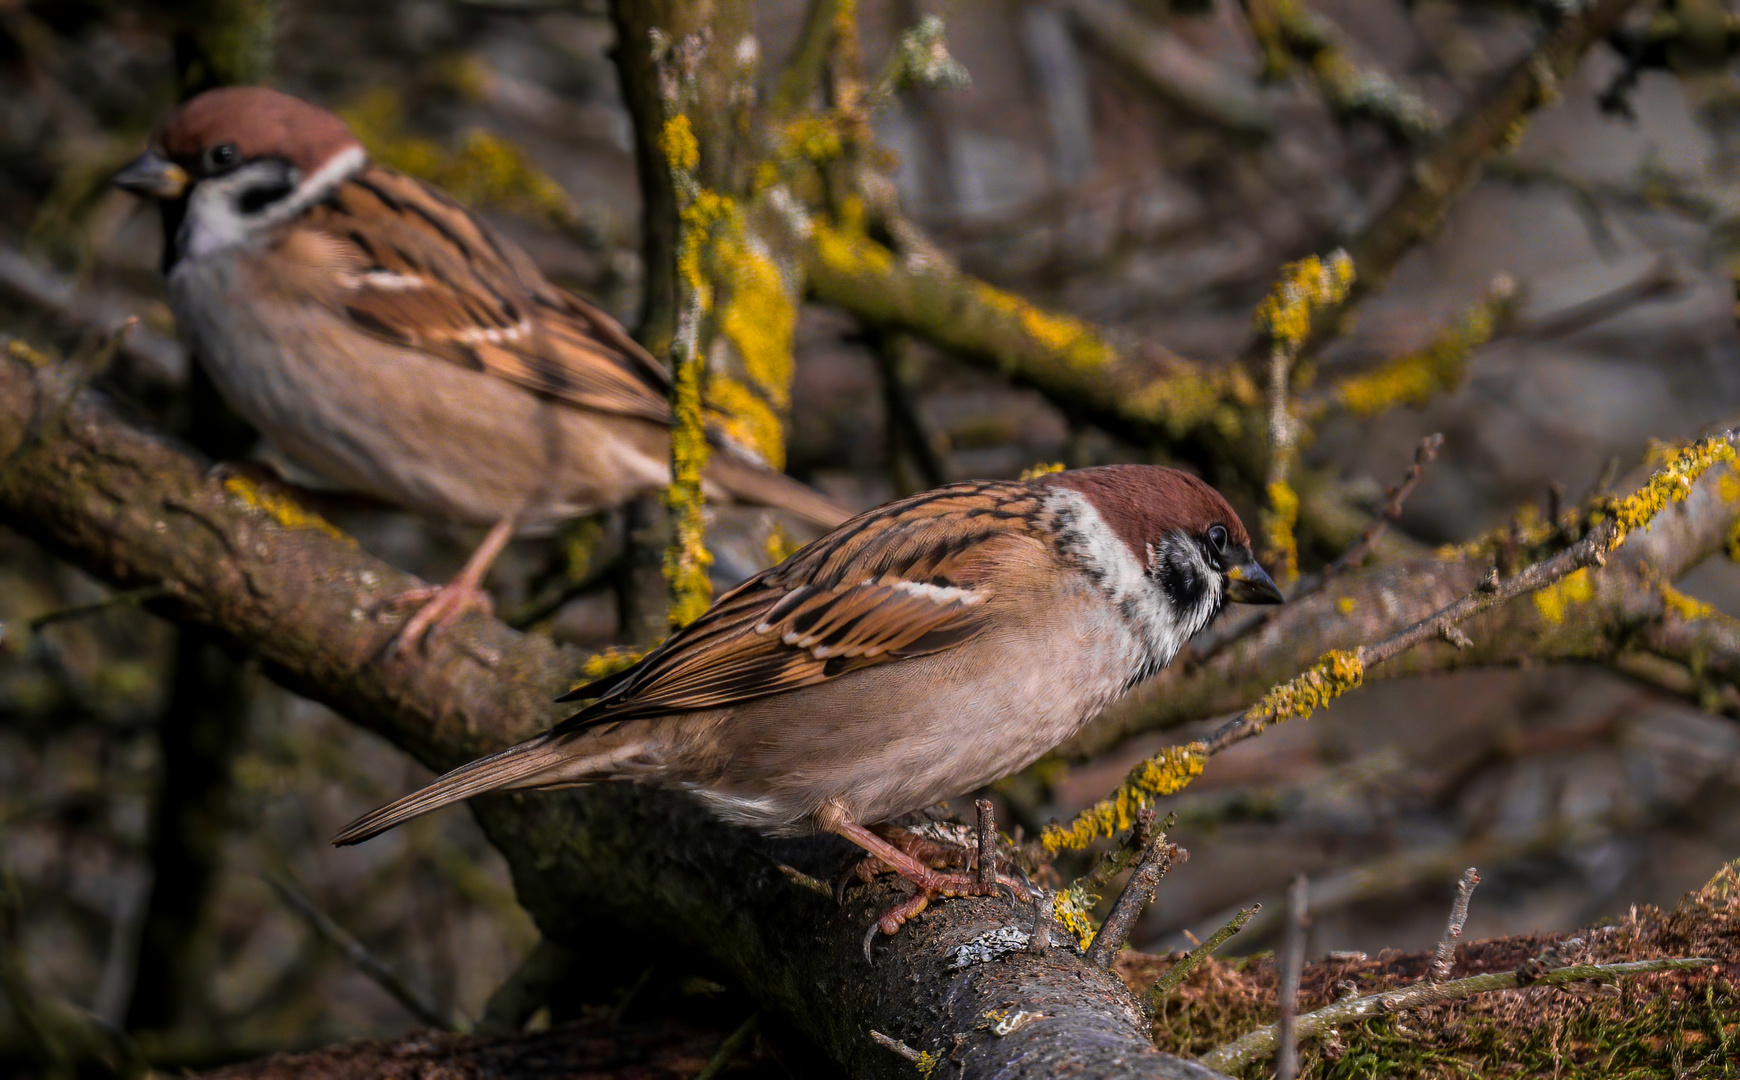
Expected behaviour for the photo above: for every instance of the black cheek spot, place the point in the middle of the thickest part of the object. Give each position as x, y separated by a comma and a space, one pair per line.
255, 199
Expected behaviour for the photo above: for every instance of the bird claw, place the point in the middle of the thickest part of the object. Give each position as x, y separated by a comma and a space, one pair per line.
441, 608
937, 885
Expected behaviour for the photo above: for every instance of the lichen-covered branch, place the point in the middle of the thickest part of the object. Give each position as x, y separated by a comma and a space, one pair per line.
621, 872
1450, 166
1286, 30
1147, 393
1616, 617
1558, 579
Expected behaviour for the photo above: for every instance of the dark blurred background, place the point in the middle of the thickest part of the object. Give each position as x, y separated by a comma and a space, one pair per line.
1157, 201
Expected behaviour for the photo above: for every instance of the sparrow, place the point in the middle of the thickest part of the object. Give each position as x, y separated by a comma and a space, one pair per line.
922, 649
386, 340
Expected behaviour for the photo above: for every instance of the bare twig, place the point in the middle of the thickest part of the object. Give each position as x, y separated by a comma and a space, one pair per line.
1287, 987
895, 1045
1138, 893
124, 598
1262, 1042
1175, 974
153, 355
1171, 69
730, 1048
1424, 454
1445, 956
359, 955
987, 837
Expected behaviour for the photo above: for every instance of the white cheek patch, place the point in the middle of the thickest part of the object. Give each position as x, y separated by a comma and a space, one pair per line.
215, 220
1131, 581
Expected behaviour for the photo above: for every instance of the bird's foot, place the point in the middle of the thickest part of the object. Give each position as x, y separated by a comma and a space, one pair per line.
933, 884
441, 606
444, 605
936, 854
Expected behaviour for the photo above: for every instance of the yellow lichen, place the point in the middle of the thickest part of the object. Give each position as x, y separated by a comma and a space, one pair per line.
287, 512
1669, 484
23, 350
1163, 774
779, 546
1073, 341
1346, 605
1417, 377
849, 251
687, 559
758, 315
1278, 524
609, 662
678, 144
1556, 599
1686, 607
1305, 287
485, 170
1044, 468
1335, 673
1074, 910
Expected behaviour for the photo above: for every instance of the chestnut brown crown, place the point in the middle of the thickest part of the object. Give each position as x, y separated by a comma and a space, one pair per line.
255, 122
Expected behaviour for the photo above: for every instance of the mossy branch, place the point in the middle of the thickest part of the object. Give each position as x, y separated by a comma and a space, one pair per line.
1262, 1042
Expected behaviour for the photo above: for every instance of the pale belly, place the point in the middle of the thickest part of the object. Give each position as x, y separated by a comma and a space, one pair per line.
406, 427
898, 738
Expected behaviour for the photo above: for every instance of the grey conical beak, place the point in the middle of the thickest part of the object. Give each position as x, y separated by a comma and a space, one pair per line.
1248, 583
153, 175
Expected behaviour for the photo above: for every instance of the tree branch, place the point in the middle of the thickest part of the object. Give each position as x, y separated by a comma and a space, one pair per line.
135, 510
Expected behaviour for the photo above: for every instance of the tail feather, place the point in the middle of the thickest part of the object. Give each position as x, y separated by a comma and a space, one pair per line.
756, 484
522, 766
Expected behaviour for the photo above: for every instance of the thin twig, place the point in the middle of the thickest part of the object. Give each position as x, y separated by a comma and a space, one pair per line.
1287, 988
1492, 591
987, 842
1262, 1042
730, 1048
359, 955
124, 598
1138, 893
1445, 956
1175, 974
895, 1045
1424, 454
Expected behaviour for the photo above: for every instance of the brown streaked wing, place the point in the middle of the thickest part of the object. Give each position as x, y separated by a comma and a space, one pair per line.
433, 276
907, 579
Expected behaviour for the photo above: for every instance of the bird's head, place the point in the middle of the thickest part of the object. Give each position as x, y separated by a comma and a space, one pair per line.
234, 161
1188, 542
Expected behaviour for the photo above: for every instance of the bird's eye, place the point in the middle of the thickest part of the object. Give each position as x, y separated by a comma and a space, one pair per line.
220, 157
1217, 537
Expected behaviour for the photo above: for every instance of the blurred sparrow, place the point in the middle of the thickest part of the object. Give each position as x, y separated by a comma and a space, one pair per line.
923, 649
387, 341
